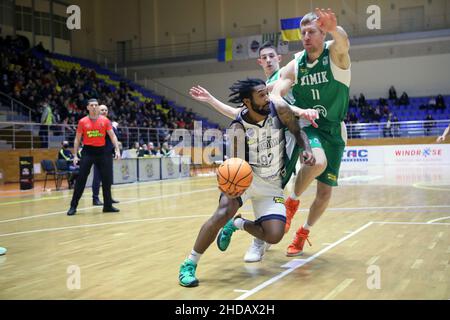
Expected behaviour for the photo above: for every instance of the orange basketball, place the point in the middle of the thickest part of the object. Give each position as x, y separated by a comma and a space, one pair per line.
234, 175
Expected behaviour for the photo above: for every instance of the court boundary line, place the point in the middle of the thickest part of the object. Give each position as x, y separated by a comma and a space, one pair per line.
439, 219
59, 193
92, 207
288, 271
334, 244
92, 225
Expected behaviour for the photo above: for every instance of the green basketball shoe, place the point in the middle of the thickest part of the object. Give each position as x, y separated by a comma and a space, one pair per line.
187, 274
224, 237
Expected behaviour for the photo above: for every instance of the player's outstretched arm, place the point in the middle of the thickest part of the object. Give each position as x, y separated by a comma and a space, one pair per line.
444, 135
202, 95
288, 118
284, 84
340, 45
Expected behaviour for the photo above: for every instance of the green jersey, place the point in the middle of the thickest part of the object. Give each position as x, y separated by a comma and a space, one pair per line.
323, 86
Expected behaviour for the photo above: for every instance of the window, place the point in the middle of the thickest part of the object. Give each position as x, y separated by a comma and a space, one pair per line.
45, 21
41, 22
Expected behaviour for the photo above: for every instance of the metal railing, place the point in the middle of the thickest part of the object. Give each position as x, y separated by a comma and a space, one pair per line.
21, 135
14, 110
404, 129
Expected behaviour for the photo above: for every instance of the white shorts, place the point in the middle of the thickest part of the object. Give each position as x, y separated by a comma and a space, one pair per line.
267, 200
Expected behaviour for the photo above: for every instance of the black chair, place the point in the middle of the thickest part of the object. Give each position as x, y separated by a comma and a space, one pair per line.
50, 170
62, 170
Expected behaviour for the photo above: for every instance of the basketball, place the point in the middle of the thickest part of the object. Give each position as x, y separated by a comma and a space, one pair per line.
234, 175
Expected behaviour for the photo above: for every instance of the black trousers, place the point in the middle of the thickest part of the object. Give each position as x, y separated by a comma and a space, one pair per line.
89, 157
98, 178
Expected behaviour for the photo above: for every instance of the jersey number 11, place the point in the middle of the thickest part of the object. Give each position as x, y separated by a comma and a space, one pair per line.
315, 94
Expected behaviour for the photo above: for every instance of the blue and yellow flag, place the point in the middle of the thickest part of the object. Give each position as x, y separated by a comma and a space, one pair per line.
290, 29
225, 52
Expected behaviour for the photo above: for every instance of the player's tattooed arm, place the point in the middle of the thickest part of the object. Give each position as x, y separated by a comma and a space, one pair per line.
202, 95
288, 118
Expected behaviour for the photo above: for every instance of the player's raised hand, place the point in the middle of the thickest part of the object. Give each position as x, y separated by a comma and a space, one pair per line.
200, 94
326, 20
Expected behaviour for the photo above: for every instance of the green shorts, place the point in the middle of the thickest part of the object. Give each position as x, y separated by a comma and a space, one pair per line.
332, 143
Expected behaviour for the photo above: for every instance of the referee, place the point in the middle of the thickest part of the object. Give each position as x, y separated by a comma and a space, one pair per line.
93, 129
109, 150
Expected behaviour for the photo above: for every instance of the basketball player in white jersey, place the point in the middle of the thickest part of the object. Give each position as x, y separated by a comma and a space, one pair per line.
262, 123
269, 60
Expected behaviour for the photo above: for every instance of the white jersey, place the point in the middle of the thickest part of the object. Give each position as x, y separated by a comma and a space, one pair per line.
265, 146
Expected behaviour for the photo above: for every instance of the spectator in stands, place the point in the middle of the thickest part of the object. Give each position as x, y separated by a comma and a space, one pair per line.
392, 94
353, 102
32, 80
431, 104
387, 132
385, 111
66, 154
353, 118
40, 48
429, 124
151, 149
166, 150
143, 151
377, 114
395, 127
361, 100
440, 103
46, 122
404, 99
382, 102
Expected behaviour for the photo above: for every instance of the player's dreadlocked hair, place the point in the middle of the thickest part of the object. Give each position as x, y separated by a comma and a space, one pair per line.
243, 89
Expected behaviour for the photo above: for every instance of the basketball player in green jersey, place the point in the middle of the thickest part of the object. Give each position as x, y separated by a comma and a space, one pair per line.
269, 60
319, 78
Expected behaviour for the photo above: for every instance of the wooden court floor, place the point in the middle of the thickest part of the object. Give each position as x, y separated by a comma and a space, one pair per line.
386, 235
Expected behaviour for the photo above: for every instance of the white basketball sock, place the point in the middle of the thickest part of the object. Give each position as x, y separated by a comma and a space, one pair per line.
294, 196
306, 226
194, 256
239, 223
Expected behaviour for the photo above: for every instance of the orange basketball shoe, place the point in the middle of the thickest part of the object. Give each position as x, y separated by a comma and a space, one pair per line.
296, 247
291, 208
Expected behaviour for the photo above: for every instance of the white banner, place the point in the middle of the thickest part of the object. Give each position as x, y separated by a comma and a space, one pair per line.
125, 171
240, 48
170, 168
419, 153
185, 167
254, 43
149, 169
362, 156
395, 155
